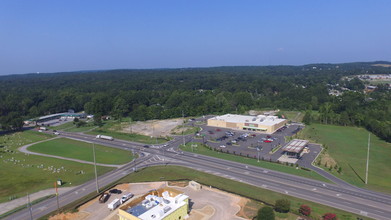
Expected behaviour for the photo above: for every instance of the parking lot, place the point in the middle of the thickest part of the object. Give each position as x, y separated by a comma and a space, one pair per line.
253, 144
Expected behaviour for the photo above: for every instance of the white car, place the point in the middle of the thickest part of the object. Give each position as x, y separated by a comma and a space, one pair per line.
222, 146
56, 133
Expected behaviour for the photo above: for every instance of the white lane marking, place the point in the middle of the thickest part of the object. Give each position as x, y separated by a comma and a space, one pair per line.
338, 194
264, 186
84, 189
247, 172
363, 213
265, 171
228, 168
314, 189
42, 208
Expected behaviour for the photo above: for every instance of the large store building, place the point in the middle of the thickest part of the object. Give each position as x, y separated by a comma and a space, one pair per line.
165, 203
262, 123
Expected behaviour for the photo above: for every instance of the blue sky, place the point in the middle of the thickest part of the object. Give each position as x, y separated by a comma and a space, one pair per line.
54, 36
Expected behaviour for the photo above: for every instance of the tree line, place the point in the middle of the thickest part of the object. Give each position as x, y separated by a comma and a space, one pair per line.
166, 93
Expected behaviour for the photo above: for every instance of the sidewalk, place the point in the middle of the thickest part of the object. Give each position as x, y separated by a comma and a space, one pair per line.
8, 206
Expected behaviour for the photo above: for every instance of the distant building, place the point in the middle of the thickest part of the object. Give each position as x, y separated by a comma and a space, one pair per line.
294, 148
260, 123
164, 203
64, 115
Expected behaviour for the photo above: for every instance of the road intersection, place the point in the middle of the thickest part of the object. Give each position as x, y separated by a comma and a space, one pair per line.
340, 195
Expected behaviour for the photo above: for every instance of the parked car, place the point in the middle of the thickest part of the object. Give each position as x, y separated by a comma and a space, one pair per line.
104, 197
115, 191
218, 129
267, 141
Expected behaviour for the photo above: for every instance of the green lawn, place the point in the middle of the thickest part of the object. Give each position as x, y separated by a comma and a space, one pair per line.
173, 173
64, 126
187, 130
83, 151
129, 137
293, 115
201, 149
348, 147
21, 173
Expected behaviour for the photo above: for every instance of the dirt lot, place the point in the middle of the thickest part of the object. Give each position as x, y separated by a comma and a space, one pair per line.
207, 203
155, 128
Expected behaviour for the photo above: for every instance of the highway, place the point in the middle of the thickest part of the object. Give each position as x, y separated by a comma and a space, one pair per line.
360, 201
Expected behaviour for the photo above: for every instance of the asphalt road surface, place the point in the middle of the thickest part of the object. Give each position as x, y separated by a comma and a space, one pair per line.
340, 195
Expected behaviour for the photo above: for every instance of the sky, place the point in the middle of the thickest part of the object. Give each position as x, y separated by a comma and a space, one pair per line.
71, 35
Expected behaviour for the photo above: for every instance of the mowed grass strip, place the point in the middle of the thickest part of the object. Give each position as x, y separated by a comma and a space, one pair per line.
201, 149
172, 173
348, 147
83, 151
129, 137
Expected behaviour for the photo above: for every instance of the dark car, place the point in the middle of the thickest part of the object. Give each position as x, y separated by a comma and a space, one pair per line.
115, 191
104, 197
146, 146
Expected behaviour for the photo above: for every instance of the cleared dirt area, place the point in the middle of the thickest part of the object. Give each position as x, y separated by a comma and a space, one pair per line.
382, 65
155, 128
206, 203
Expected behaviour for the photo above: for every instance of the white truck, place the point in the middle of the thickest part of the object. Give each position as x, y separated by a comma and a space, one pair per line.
114, 204
43, 128
99, 136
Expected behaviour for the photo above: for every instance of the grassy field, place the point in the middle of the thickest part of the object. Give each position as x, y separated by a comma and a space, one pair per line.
251, 161
186, 130
71, 127
129, 137
21, 173
348, 147
295, 116
82, 151
167, 173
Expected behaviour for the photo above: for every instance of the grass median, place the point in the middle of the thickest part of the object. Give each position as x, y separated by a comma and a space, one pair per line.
69, 148
202, 149
175, 173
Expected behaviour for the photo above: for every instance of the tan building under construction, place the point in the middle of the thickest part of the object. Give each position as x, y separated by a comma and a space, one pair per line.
260, 123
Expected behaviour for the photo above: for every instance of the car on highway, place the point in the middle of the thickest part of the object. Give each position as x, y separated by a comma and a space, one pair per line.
222, 146
146, 146
56, 133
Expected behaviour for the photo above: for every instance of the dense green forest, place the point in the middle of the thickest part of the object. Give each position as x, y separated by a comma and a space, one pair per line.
165, 93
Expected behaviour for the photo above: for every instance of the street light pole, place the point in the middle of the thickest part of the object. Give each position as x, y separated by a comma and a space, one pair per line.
96, 175
29, 206
369, 144
183, 134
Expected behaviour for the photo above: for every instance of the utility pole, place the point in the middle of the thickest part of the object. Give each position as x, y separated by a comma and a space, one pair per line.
96, 175
58, 203
369, 144
183, 135
29, 206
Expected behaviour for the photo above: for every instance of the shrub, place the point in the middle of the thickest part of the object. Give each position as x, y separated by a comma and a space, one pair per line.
305, 210
329, 216
265, 213
282, 205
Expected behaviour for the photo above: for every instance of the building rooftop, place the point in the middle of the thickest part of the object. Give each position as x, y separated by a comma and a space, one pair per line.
295, 146
259, 119
157, 204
